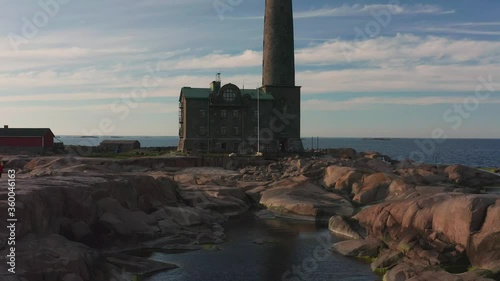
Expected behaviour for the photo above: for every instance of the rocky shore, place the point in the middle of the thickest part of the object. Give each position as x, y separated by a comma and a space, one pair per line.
86, 219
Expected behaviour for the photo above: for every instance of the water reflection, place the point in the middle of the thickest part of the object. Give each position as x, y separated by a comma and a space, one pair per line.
266, 250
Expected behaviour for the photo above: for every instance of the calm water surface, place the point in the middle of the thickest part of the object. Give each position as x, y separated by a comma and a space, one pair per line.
470, 152
294, 246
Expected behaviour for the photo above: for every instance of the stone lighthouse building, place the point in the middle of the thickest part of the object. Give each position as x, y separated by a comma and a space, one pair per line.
225, 118
278, 75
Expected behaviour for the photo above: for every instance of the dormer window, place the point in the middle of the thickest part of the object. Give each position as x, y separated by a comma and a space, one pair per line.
229, 95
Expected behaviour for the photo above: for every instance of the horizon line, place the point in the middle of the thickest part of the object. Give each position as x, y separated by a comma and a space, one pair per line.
303, 138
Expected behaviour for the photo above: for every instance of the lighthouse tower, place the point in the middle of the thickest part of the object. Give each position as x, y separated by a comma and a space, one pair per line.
278, 73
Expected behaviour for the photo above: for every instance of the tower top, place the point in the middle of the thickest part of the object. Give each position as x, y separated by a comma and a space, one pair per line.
279, 50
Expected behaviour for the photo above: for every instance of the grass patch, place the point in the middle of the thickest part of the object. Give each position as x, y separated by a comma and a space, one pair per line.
278, 209
492, 170
404, 248
366, 259
381, 271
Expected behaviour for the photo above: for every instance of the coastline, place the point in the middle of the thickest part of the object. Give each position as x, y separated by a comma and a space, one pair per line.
98, 206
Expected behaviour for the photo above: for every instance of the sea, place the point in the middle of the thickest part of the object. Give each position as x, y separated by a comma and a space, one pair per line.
471, 152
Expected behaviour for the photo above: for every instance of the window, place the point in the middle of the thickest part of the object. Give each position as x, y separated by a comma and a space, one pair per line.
236, 131
223, 130
255, 113
203, 113
236, 113
229, 95
223, 114
203, 130
255, 130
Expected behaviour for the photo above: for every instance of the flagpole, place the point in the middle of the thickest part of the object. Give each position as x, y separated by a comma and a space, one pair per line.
258, 120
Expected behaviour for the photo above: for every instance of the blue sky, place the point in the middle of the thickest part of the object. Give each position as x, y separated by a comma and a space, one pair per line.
367, 68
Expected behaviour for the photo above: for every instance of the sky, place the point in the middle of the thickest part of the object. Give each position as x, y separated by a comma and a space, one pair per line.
383, 68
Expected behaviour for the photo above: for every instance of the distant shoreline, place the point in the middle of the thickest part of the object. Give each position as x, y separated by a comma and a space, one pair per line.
303, 138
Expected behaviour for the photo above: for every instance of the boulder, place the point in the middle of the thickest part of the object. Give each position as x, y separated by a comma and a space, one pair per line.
412, 272
432, 176
471, 177
16, 163
123, 221
313, 173
155, 193
368, 247
185, 178
344, 227
386, 259
370, 154
375, 188
229, 201
256, 193
296, 197
398, 188
466, 221
411, 176
347, 183
52, 257
432, 189
341, 178
80, 231
379, 165
347, 153
484, 248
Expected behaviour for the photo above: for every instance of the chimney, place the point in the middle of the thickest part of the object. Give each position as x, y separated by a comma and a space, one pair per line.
215, 86
279, 55
5, 126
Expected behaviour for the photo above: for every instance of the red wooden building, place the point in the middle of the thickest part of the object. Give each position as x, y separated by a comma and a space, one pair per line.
35, 138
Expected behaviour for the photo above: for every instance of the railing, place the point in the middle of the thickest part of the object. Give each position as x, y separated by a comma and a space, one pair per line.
181, 119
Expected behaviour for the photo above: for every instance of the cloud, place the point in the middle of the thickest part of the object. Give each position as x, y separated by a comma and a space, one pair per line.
361, 10
358, 9
67, 53
477, 24
216, 61
402, 49
468, 28
142, 107
401, 63
449, 78
458, 31
367, 102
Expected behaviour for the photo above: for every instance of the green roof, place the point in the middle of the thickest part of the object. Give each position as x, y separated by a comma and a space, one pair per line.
195, 93
22, 132
203, 93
